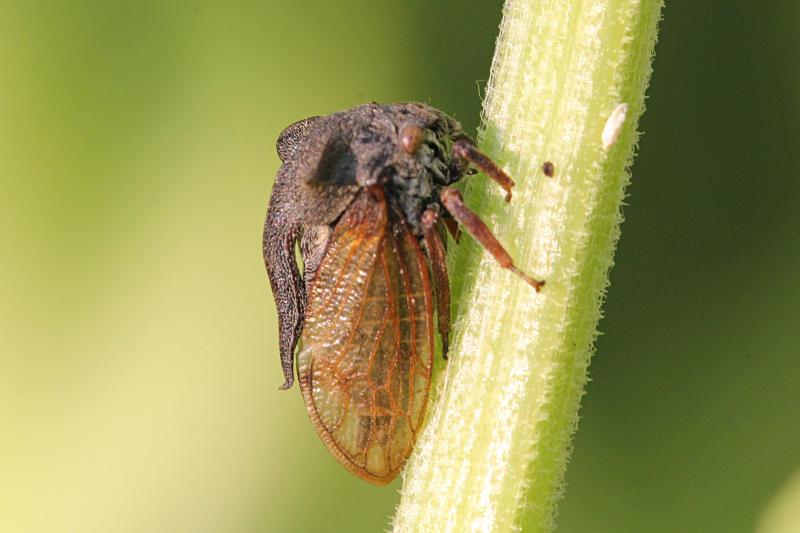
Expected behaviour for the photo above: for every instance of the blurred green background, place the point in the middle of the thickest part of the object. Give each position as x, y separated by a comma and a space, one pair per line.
138, 366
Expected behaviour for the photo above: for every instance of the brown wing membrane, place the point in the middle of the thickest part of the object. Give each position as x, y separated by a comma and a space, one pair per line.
367, 344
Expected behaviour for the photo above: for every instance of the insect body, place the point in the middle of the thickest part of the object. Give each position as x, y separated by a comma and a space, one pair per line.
366, 194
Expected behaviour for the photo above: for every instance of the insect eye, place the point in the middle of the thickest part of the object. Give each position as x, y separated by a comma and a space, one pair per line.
410, 138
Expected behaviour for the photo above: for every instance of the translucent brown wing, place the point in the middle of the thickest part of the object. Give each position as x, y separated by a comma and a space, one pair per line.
367, 345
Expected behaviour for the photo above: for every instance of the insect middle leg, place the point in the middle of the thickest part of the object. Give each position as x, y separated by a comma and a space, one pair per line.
454, 203
441, 282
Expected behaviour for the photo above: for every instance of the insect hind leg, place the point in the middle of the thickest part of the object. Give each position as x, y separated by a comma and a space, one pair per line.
441, 282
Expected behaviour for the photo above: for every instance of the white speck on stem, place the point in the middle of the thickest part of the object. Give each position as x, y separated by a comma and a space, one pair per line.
614, 125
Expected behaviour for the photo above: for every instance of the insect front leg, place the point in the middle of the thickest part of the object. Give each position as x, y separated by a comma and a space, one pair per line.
465, 149
287, 287
454, 203
441, 281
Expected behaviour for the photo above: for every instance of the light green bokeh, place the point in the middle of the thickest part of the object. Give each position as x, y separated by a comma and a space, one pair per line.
138, 366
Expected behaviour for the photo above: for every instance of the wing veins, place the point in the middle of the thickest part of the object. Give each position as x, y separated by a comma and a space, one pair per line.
347, 343
373, 352
351, 381
411, 312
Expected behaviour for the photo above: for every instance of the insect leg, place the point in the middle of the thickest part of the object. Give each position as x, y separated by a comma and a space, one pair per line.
441, 282
454, 203
465, 149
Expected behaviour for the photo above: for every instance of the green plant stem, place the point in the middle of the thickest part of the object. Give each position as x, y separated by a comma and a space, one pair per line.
494, 452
